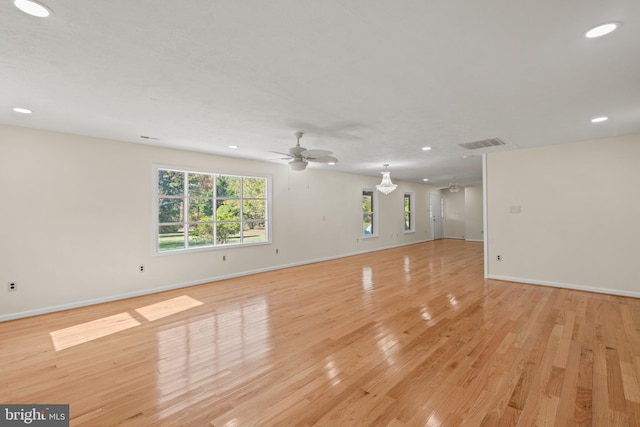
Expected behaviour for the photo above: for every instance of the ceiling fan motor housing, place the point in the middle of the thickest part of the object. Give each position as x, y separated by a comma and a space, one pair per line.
297, 151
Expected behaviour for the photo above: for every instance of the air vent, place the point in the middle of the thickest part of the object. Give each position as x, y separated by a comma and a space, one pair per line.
491, 142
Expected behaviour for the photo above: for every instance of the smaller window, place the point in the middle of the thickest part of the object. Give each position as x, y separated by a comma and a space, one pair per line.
409, 225
369, 213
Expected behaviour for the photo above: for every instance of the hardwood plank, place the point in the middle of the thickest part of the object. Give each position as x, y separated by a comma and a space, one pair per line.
408, 336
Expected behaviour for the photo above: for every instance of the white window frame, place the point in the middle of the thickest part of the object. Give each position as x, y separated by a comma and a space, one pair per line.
412, 209
215, 245
374, 214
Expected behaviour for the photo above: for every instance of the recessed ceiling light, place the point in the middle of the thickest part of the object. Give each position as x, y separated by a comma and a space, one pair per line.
33, 8
599, 119
602, 30
22, 110
233, 147
331, 163
426, 148
425, 179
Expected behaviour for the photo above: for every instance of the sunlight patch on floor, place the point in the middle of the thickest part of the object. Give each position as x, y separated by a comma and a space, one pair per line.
167, 307
89, 331
84, 332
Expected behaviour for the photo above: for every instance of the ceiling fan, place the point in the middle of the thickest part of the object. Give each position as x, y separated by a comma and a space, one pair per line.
453, 186
299, 156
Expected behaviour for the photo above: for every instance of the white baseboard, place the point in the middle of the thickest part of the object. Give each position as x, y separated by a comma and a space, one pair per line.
608, 291
475, 240
116, 297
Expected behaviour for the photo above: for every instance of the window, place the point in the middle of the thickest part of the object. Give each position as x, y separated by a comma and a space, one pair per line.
409, 225
369, 213
198, 210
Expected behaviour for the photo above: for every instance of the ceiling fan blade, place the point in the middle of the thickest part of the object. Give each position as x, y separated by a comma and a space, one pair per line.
313, 154
289, 156
323, 159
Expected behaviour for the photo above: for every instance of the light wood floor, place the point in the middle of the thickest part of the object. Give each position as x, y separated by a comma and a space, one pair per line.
408, 336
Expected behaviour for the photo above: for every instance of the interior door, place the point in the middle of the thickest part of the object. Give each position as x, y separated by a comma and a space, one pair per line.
436, 216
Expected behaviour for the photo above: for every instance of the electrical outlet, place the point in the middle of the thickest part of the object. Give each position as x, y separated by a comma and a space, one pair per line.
12, 286
141, 268
499, 258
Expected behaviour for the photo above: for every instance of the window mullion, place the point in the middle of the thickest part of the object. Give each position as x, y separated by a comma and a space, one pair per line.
215, 209
241, 203
185, 214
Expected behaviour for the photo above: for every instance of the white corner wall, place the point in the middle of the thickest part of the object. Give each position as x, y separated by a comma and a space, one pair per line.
77, 220
578, 224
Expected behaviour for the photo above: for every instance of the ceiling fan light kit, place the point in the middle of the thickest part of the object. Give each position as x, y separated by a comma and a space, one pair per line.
386, 186
297, 165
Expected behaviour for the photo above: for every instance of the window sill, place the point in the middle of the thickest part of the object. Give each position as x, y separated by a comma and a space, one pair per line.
208, 248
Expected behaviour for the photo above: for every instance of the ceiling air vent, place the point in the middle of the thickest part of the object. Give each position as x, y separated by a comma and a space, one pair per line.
491, 142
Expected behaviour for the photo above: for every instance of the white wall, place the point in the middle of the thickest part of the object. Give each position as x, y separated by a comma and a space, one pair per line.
579, 220
473, 226
77, 220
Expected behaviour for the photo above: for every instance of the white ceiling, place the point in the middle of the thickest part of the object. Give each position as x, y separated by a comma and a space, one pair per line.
372, 81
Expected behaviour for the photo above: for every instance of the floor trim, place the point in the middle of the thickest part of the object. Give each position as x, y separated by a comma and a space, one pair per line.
608, 291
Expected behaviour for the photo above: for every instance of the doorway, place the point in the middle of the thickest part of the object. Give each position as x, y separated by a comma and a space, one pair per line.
436, 216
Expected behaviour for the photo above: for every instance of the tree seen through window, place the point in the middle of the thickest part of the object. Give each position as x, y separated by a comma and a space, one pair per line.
201, 209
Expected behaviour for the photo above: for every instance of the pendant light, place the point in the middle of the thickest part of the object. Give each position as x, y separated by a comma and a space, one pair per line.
386, 186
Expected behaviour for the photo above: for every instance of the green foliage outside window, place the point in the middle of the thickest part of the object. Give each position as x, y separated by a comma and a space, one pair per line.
186, 215
407, 212
367, 213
